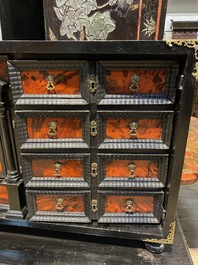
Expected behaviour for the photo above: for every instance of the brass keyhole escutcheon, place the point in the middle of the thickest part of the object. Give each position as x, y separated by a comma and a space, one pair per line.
59, 204
92, 84
52, 132
131, 168
93, 128
50, 82
134, 87
57, 169
94, 206
129, 206
133, 129
94, 170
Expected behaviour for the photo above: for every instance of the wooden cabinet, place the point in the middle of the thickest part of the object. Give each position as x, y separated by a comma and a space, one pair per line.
101, 129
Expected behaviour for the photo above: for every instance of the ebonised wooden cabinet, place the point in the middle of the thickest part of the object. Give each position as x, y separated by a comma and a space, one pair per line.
101, 129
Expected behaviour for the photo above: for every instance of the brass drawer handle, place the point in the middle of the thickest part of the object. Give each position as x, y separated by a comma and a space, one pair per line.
133, 129
94, 170
134, 87
129, 206
131, 168
50, 82
59, 204
52, 132
93, 128
57, 169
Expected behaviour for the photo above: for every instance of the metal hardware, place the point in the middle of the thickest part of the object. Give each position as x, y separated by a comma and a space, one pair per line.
94, 206
57, 169
131, 168
129, 206
59, 204
14, 124
133, 129
50, 82
52, 133
92, 84
168, 240
94, 170
93, 128
134, 87
181, 80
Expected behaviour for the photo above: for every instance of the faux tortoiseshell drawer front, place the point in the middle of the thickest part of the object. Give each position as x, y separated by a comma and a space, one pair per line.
135, 129
130, 207
43, 79
3, 195
59, 206
53, 129
3, 69
56, 170
136, 80
132, 171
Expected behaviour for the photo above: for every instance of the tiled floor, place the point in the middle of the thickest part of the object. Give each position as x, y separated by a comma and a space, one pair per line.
188, 196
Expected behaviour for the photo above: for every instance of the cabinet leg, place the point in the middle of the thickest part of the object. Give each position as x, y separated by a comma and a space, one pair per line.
155, 247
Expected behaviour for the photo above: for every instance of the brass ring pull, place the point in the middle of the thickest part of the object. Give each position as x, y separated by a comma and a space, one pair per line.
50, 82
131, 168
134, 87
52, 132
57, 169
59, 204
133, 129
129, 206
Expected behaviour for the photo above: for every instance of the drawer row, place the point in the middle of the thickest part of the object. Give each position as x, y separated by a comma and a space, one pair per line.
45, 79
106, 207
107, 171
108, 130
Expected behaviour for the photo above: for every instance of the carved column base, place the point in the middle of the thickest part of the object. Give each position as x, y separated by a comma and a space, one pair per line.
17, 201
12, 176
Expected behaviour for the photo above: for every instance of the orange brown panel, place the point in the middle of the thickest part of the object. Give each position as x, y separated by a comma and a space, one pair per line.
64, 81
147, 128
120, 168
3, 195
149, 81
3, 71
118, 204
60, 202
54, 128
57, 168
1, 168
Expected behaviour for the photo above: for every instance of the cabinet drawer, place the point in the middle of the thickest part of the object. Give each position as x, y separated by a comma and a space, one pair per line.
138, 79
47, 78
59, 206
3, 195
53, 129
132, 171
135, 129
56, 170
130, 207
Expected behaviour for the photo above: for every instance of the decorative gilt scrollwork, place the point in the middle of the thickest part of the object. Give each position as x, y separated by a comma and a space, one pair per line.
168, 240
189, 43
133, 129
52, 132
59, 204
134, 87
50, 82
129, 206
131, 168
57, 169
